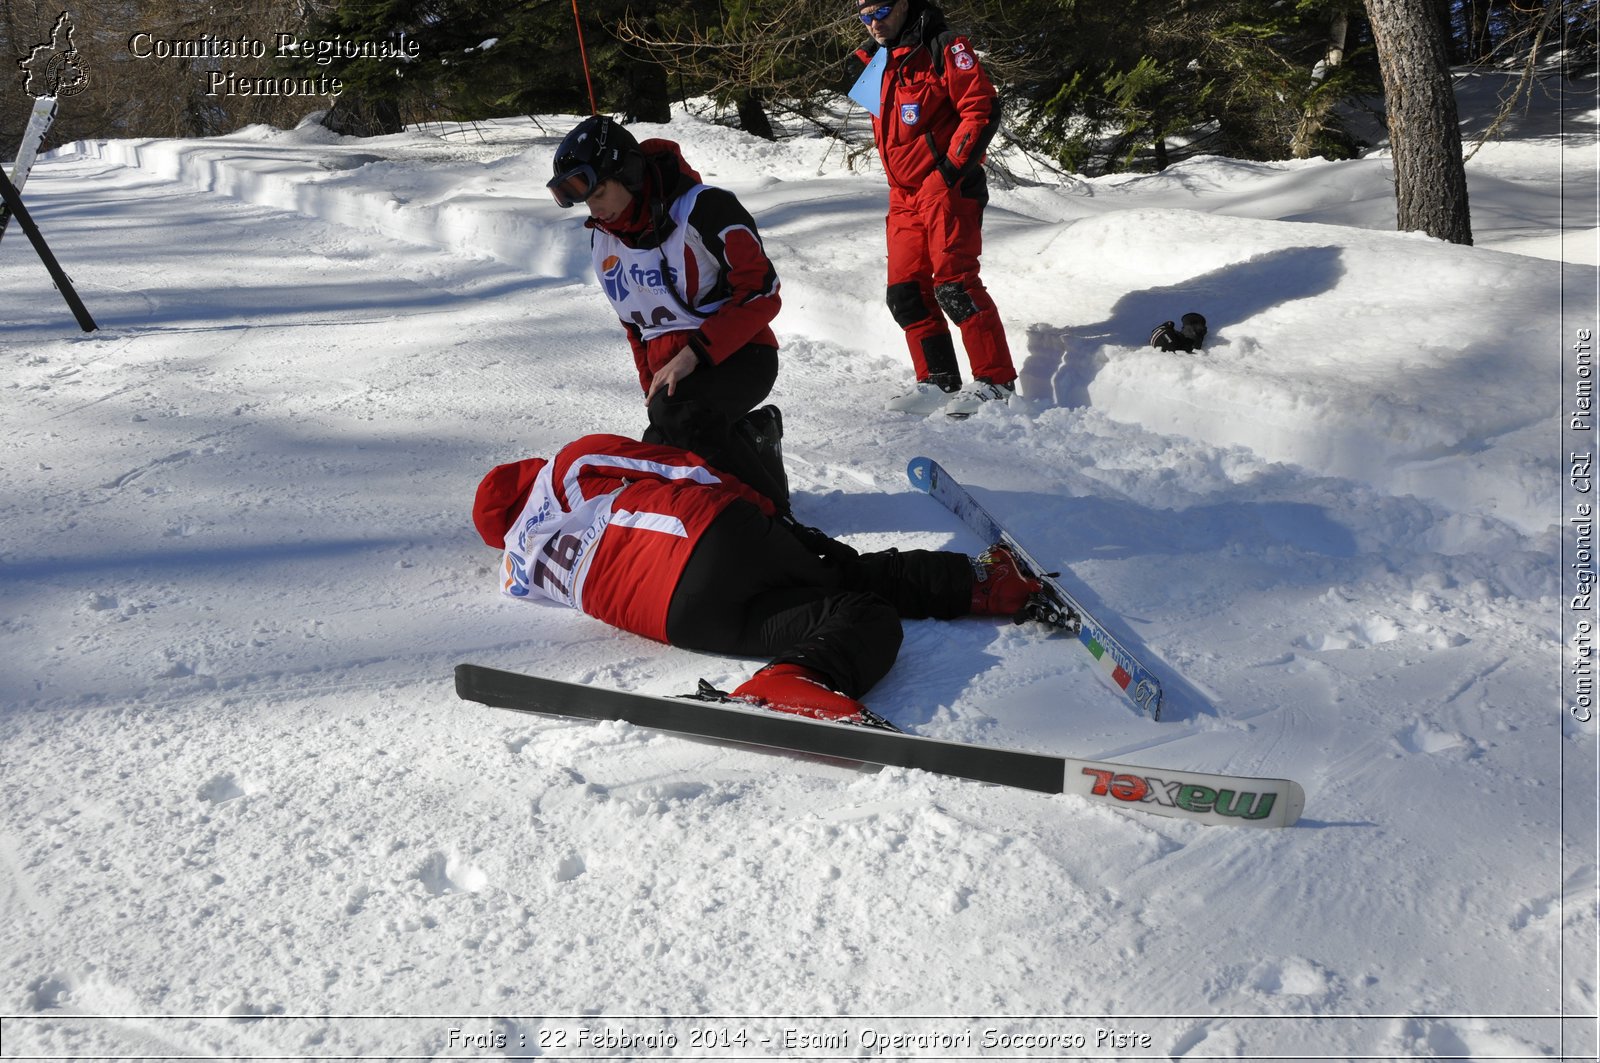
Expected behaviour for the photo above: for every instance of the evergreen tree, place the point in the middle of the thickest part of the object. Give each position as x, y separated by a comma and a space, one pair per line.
1224, 76
485, 59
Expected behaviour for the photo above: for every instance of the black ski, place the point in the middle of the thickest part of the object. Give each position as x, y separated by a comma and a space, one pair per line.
1196, 796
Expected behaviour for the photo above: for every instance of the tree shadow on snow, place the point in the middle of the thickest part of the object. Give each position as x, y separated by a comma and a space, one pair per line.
1063, 361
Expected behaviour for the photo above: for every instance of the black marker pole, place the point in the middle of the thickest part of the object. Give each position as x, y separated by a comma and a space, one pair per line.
13, 202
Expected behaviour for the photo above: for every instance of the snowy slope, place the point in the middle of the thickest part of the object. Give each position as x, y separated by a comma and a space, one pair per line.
246, 814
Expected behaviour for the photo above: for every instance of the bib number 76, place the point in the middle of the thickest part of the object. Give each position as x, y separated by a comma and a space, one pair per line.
561, 551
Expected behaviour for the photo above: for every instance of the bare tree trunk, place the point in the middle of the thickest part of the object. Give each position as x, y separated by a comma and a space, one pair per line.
753, 116
1479, 44
648, 97
1314, 116
1338, 31
1430, 177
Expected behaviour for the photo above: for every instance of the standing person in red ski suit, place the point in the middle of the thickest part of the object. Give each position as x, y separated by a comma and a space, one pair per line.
684, 268
937, 112
653, 540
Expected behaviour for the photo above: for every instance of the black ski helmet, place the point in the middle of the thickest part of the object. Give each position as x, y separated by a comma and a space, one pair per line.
598, 149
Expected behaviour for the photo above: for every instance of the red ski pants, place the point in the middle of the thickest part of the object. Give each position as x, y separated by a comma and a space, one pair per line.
935, 235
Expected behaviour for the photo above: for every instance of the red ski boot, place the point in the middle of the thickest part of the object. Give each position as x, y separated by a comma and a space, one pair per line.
791, 688
1001, 589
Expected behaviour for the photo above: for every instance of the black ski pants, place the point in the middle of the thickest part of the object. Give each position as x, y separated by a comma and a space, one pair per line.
751, 589
701, 413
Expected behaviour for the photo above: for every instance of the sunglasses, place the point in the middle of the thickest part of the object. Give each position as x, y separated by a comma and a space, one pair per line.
573, 186
877, 14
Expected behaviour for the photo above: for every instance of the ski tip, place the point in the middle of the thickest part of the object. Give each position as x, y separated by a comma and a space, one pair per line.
920, 471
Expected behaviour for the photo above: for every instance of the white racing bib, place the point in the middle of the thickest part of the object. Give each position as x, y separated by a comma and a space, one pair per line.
649, 287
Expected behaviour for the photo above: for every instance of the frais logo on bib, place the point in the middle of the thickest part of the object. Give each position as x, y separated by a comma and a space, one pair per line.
619, 278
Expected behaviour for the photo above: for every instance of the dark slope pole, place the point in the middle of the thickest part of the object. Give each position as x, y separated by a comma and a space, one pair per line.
13, 202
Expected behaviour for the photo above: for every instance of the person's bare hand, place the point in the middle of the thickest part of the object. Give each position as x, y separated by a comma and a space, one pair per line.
668, 376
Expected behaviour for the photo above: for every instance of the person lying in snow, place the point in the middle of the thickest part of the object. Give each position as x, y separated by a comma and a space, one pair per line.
653, 540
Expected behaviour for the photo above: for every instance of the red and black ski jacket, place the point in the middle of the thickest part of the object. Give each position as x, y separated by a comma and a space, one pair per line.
724, 294
939, 109
608, 525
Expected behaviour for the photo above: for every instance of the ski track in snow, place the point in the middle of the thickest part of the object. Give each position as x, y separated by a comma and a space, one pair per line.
238, 569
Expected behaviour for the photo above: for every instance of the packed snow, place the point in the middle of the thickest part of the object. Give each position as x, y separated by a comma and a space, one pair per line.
246, 815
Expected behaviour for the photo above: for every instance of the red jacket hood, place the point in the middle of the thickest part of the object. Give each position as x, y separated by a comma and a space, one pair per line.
501, 496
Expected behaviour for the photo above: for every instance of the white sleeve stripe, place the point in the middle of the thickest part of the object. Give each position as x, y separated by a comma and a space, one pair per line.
697, 473
656, 522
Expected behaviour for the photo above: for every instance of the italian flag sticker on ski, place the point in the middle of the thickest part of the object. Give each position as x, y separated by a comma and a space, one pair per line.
1119, 675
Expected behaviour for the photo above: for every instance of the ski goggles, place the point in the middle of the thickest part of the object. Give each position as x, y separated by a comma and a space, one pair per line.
574, 186
875, 14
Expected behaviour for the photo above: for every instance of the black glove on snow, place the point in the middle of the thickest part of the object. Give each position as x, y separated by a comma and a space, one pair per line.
1169, 337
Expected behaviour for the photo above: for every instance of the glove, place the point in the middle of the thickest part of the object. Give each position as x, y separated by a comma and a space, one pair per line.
819, 542
1167, 336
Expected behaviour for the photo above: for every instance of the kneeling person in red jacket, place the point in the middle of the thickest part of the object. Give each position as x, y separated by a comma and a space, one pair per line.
652, 540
